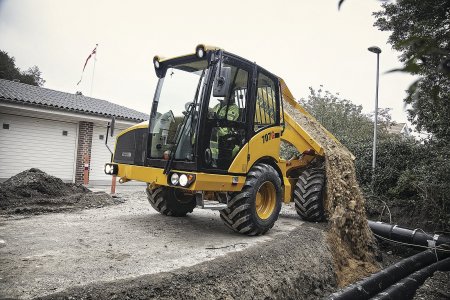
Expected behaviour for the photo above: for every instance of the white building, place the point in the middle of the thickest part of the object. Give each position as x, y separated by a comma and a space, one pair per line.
55, 131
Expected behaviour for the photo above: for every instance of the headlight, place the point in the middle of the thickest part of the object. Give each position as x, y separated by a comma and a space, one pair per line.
183, 180
174, 179
156, 64
111, 169
180, 179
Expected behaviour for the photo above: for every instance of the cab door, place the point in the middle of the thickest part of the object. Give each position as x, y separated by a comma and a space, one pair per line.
265, 120
224, 134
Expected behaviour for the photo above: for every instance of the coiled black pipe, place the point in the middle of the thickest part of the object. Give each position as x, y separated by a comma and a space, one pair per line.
406, 288
406, 235
377, 282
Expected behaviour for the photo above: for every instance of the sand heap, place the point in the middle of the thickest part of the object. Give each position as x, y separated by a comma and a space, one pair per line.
350, 238
34, 191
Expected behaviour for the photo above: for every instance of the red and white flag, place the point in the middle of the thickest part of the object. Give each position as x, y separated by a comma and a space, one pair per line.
94, 52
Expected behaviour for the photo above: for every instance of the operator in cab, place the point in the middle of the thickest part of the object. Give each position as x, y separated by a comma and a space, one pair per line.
225, 109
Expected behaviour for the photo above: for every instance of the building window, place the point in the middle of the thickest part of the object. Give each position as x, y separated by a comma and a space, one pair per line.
5, 126
65, 133
101, 137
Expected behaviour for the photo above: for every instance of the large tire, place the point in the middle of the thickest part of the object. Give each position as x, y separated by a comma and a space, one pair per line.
171, 201
309, 194
254, 210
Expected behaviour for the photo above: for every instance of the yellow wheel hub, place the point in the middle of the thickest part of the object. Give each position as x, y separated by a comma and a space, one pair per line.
266, 199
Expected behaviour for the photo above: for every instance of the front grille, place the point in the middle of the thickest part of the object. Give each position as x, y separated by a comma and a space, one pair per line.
131, 146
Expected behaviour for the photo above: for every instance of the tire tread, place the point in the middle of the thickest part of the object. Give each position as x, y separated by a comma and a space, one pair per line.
164, 202
238, 215
309, 195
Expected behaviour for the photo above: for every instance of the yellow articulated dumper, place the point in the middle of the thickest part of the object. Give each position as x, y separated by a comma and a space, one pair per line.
213, 141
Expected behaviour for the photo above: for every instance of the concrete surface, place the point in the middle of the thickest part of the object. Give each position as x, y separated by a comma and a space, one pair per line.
48, 253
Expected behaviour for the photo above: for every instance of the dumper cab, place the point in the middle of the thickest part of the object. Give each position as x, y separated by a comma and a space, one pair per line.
202, 114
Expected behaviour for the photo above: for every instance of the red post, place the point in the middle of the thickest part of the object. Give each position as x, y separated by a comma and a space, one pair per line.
86, 170
113, 185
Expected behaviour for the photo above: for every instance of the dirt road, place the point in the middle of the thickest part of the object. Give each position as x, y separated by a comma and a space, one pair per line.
48, 253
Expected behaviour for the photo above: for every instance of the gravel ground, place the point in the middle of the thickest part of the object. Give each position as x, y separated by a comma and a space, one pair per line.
129, 251
52, 252
297, 267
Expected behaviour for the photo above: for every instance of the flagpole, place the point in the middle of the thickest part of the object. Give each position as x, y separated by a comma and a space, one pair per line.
93, 71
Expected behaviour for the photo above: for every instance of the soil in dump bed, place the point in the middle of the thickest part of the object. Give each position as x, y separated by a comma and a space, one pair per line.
34, 191
349, 236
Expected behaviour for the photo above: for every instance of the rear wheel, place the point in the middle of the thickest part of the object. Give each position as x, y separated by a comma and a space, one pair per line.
309, 194
171, 201
254, 210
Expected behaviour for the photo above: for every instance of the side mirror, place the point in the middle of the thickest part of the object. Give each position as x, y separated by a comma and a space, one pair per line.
111, 126
222, 81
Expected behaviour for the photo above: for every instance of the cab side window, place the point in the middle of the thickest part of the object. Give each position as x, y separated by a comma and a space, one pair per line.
266, 106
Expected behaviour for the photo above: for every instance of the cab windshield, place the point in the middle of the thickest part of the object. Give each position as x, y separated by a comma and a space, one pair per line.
176, 104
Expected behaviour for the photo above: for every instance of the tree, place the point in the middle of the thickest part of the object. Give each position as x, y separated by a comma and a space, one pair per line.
343, 118
420, 30
9, 71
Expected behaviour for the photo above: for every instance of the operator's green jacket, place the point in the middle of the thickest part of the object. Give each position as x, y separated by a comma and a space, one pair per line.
232, 115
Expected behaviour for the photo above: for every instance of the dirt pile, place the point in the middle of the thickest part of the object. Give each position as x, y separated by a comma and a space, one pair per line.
350, 237
297, 266
34, 191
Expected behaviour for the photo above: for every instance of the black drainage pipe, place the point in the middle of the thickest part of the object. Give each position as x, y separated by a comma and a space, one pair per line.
406, 288
380, 281
377, 282
406, 235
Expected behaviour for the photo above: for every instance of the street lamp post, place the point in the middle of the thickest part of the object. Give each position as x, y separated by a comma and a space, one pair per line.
376, 50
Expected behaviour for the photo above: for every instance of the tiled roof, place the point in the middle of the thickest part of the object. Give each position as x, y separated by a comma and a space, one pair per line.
15, 92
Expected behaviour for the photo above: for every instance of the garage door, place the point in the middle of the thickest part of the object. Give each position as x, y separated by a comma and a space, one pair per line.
37, 143
100, 154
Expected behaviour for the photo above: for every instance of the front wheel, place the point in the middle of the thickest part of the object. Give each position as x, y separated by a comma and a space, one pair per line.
171, 201
254, 210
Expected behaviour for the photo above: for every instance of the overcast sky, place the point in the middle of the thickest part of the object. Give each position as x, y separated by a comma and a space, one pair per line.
308, 43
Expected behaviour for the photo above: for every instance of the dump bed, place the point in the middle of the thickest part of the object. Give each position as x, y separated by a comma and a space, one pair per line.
294, 132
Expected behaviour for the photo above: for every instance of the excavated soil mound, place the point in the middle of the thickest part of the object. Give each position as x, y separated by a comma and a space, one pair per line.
34, 191
297, 266
349, 235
